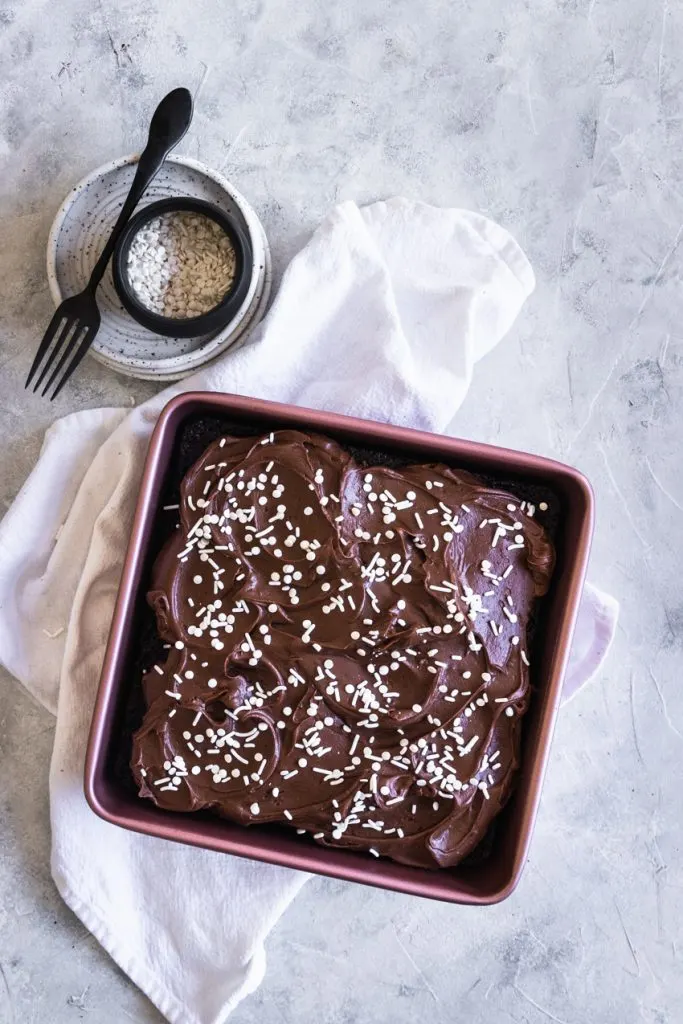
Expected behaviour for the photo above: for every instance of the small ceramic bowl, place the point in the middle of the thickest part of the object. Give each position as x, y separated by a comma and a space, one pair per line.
84, 220
184, 327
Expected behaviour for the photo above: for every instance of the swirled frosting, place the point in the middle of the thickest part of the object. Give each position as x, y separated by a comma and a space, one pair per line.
347, 648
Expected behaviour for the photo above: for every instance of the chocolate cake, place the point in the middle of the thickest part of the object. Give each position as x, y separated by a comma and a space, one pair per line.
347, 648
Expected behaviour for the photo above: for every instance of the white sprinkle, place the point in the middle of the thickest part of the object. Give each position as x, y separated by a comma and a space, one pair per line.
470, 746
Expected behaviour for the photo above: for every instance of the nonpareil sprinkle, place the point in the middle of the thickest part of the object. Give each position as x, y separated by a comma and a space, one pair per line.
181, 265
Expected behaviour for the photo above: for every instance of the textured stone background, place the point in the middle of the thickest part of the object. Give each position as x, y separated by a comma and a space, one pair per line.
562, 119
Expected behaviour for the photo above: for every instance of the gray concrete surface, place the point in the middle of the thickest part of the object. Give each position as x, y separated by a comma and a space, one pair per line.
562, 119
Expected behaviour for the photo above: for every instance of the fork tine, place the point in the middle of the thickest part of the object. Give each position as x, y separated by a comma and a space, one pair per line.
62, 346
57, 364
54, 328
83, 347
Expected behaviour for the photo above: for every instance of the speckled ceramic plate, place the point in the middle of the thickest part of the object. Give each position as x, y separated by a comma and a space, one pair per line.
79, 231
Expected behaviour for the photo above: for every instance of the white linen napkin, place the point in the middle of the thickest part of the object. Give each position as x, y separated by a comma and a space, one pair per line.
382, 315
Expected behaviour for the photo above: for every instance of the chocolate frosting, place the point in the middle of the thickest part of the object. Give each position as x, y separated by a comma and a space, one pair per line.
347, 648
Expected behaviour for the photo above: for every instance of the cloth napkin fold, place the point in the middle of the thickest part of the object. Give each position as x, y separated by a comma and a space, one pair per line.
383, 315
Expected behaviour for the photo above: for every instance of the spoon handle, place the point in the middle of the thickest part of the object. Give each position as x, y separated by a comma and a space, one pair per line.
169, 124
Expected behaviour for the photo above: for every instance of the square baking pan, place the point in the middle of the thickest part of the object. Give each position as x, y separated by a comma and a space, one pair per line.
482, 879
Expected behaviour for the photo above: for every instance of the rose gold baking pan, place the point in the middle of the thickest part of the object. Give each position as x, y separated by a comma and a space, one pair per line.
483, 880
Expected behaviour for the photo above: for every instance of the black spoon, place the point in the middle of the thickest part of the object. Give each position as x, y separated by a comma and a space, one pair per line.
77, 320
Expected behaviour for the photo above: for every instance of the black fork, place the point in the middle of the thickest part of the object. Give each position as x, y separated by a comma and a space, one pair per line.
73, 328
